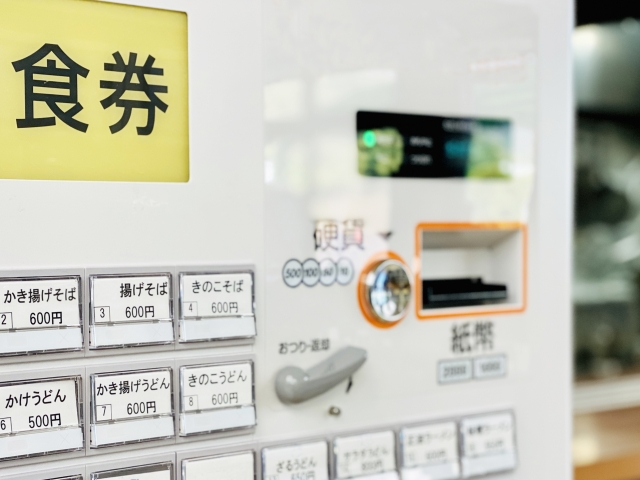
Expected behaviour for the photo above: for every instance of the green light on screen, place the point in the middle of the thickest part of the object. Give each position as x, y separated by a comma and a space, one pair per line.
369, 139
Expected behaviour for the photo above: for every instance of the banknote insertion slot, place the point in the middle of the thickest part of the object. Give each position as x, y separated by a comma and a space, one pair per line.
471, 266
461, 291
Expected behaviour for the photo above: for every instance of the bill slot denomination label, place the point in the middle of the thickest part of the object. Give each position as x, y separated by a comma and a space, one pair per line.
363, 455
120, 299
494, 366
36, 303
216, 295
207, 387
39, 405
308, 461
454, 371
226, 467
130, 395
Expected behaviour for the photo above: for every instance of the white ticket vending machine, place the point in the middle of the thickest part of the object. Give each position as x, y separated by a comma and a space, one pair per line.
285, 239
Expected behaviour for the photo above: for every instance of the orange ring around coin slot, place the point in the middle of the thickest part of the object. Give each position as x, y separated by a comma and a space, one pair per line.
371, 264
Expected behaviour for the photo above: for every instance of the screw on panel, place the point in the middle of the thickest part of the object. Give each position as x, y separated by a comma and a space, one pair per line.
335, 411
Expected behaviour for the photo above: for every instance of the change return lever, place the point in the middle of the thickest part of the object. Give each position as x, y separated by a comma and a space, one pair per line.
294, 385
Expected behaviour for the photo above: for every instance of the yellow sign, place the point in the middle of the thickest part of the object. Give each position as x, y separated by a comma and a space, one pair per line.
93, 91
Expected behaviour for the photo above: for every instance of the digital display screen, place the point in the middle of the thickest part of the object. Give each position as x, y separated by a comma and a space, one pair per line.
423, 146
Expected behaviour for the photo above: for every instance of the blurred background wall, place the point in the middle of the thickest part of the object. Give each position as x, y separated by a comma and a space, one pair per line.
606, 290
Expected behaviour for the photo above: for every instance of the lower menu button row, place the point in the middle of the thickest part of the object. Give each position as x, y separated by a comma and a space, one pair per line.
471, 447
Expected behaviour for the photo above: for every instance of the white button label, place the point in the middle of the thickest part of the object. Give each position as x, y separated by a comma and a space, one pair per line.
146, 472
38, 405
366, 454
308, 461
39, 303
429, 445
488, 444
216, 386
131, 395
226, 467
490, 367
488, 435
118, 299
216, 295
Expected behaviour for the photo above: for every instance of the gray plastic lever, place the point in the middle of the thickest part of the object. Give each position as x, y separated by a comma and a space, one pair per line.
294, 385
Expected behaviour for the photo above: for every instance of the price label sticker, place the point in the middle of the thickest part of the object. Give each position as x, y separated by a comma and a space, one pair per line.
308, 461
146, 472
130, 395
366, 454
39, 405
216, 295
226, 467
488, 435
32, 303
428, 445
119, 299
207, 387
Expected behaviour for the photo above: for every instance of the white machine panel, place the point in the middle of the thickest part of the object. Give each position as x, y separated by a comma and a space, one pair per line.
285, 239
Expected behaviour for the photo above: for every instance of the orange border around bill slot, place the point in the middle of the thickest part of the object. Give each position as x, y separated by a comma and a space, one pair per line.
464, 311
